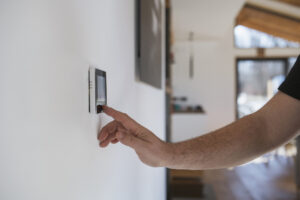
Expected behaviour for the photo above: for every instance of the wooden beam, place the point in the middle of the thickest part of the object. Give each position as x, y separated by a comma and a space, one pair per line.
269, 22
291, 2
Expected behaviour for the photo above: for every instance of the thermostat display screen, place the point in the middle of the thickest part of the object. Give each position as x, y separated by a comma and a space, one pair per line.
101, 90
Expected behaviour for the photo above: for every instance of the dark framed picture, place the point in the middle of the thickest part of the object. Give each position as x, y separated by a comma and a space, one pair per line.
149, 42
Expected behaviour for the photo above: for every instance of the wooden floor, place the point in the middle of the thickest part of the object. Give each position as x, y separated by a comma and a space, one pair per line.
272, 181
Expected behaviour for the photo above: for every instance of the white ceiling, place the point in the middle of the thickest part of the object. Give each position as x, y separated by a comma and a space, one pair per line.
208, 19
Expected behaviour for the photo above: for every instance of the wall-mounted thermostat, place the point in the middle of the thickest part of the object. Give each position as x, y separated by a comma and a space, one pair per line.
97, 90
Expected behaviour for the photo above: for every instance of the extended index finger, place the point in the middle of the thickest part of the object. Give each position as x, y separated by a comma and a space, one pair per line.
117, 115
123, 118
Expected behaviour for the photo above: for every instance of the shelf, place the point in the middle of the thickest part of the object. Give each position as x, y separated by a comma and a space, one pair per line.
188, 112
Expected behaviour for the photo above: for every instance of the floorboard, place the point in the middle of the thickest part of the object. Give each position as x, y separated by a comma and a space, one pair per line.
256, 181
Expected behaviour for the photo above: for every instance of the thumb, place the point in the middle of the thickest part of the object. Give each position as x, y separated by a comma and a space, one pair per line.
129, 139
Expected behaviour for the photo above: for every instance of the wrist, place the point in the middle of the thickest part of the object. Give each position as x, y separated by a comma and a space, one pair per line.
168, 155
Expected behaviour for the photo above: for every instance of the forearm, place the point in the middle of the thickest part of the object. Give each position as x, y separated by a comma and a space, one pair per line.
232, 145
237, 143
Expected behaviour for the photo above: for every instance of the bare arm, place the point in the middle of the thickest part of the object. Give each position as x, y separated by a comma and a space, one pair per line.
273, 125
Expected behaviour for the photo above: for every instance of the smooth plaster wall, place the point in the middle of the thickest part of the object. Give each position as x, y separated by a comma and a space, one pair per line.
48, 146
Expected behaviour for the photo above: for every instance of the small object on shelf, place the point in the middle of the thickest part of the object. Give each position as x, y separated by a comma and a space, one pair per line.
189, 108
176, 107
180, 105
199, 108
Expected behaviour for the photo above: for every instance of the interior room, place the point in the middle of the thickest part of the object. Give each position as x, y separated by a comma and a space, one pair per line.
181, 69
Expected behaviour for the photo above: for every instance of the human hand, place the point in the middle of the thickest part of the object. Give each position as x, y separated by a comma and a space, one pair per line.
150, 149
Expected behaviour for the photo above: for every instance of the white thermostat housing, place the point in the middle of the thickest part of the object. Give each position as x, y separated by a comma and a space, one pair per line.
97, 90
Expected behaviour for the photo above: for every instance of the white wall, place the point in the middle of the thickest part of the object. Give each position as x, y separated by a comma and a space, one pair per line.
212, 86
48, 146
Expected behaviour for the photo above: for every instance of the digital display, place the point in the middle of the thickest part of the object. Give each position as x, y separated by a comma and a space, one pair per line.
101, 90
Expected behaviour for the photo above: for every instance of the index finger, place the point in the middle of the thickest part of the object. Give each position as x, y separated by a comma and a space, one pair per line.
120, 117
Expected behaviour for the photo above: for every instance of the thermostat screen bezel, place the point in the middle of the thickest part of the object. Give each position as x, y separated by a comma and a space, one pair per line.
97, 80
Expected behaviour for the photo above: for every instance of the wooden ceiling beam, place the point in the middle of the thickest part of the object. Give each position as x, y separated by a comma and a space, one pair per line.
269, 22
291, 2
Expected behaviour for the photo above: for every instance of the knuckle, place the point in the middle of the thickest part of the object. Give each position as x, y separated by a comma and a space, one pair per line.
124, 117
124, 114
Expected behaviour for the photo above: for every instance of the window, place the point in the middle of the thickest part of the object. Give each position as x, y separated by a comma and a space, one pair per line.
257, 82
249, 38
291, 62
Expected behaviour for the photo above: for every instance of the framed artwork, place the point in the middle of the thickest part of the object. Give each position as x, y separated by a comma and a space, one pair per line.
149, 42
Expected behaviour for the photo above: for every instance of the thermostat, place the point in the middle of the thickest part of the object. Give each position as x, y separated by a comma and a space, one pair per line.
97, 90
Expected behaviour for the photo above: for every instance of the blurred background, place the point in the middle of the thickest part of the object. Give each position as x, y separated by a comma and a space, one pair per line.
226, 60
